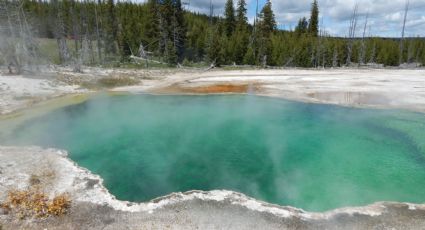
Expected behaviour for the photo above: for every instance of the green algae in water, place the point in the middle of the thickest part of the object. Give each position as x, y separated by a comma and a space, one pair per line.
315, 157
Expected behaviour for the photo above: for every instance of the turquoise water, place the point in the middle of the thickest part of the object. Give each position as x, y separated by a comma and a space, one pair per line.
315, 157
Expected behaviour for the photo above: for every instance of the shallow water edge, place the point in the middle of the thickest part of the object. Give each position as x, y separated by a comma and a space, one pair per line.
73, 101
93, 205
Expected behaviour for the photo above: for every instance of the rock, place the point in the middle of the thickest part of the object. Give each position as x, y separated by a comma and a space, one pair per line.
3, 211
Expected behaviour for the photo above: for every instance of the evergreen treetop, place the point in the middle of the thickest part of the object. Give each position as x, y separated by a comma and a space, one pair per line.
302, 26
229, 18
267, 19
313, 25
242, 19
108, 31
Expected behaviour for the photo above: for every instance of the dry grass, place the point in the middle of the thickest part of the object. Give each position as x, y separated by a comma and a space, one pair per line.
117, 81
59, 205
34, 203
34, 180
45, 178
103, 82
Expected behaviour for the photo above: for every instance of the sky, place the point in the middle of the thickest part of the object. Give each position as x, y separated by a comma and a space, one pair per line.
385, 16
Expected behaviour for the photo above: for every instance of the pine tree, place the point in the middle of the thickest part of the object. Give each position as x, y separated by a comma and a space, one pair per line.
179, 30
58, 12
171, 54
240, 39
249, 57
127, 26
172, 30
302, 26
267, 19
172, 34
267, 26
214, 53
313, 25
111, 29
229, 18
165, 13
241, 18
151, 29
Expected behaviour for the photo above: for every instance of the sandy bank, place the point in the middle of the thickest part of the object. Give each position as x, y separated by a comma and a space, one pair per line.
94, 208
18, 92
381, 88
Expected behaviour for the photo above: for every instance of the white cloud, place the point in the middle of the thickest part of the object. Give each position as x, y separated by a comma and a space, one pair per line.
385, 16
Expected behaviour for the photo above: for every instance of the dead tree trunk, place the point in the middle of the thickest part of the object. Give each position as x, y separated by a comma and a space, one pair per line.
352, 33
8, 46
61, 36
335, 58
18, 47
99, 40
363, 49
406, 10
75, 29
373, 54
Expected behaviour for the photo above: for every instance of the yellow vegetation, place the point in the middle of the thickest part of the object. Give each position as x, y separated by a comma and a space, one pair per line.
29, 203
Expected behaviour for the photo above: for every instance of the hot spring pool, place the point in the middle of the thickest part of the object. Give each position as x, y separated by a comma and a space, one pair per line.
315, 157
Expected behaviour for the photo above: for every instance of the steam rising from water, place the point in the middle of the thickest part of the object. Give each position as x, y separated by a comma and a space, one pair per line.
315, 157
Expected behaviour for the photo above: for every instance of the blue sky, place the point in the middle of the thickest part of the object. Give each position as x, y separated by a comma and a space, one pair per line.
385, 16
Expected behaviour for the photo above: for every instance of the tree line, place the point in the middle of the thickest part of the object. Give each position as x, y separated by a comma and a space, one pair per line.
103, 31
